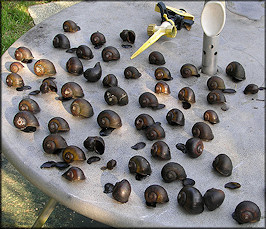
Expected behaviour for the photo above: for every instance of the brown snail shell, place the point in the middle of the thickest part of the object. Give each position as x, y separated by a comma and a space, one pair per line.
82, 108
187, 96
215, 83
156, 58
110, 53
203, 131
252, 89
95, 144
97, 39
110, 81
162, 88
213, 198
161, 150
236, 71
247, 212
61, 41
211, 116
108, 120
191, 200
24, 55
128, 35
223, 165
58, 124
131, 73
154, 132
139, 166
143, 121
175, 117
148, 99
26, 121
44, 67
216, 97
93, 74
121, 191
83, 52
71, 90
70, 26
74, 66
74, 174
155, 194
14, 80
53, 143
15, 67
48, 85
73, 153
116, 95
162, 73
193, 147
28, 104
188, 70
173, 171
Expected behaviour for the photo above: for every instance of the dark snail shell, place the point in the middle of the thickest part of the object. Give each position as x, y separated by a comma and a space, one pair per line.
29, 105
24, 55
139, 166
110, 81
110, 53
247, 212
53, 143
251, 89
215, 83
93, 74
161, 150
143, 121
154, 132
162, 73
44, 67
175, 117
162, 88
216, 97
70, 26
14, 80
128, 35
73, 153
74, 174
148, 99
131, 73
83, 52
173, 171
74, 66
26, 121
97, 39
71, 90
223, 165
121, 191
191, 200
193, 147
82, 108
58, 124
203, 131
15, 67
108, 120
61, 41
156, 58
116, 95
95, 144
155, 194
48, 85
213, 198
211, 116
236, 71
187, 96
188, 70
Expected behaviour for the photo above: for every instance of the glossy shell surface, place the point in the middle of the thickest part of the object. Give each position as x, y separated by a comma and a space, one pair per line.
28, 104
81, 107
14, 80
26, 121
93, 74
203, 131
143, 121
110, 53
155, 194
161, 150
73, 153
223, 165
131, 73
162, 88
236, 71
109, 119
162, 73
71, 90
70, 26
116, 96
213, 198
44, 67
94, 143
74, 66
23, 54
188, 70
15, 67
155, 132
58, 124
110, 80
61, 41
121, 191
175, 117
173, 171
97, 39
211, 116
139, 165
156, 58
54, 143
215, 83
74, 174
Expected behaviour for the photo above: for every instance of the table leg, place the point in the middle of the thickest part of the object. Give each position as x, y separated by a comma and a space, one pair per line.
46, 212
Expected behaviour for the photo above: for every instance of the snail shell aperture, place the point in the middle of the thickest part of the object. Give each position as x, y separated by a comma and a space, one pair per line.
211, 116
223, 165
44, 67
128, 35
162, 88
213, 198
116, 95
15, 67
139, 166
48, 85
143, 121
97, 39
156, 58
26, 121
74, 66
74, 174
131, 73
58, 124
188, 70
71, 90
14, 80
95, 144
73, 153
61, 41
173, 171
70, 26
155, 194
155, 132
161, 150
93, 74
54, 143
29, 105
121, 191
24, 55
236, 71
110, 53
81, 107
110, 81
175, 117
162, 73
203, 131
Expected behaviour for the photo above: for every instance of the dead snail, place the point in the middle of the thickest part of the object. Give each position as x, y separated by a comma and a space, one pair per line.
108, 120
24, 55
71, 90
203, 131
193, 147
128, 35
139, 166
73, 153
213, 198
173, 171
97, 39
116, 95
155, 132
162, 73
95, 144
175, 117
223, 165
217, 83
28, 104
121, 191
247, 212
93, 74
58, 124
156, 58
161, 150
74, 174
61, 41
110, 80
26, 121
15, 67
211, 116
44, 67
143, 121
74, 66
53, 143
236, 71
131, 73
82, 108
187, 96
252, 89
162, 88
148, 99
216, 97
14, 80
155, 194
110, 53
188, 70
70, 26
83, 52
48, 85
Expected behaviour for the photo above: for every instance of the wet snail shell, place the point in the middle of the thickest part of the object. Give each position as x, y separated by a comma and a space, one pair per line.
131, 73
252, 89
24, 55
70, 26
188, 70
58, 124
108, 120
61, 41
71, 90
110, 53
83, 52
247, 212
215, 82
26, 121
236, 71
93, 74
203, 131
14, 80
148, 99
95, 144
82, 108
121, 191
162, 73
73, 153
213, 198
53, 143
216, 97
173, 171
175, 117
143, 121
97, 39
161, 150
48, 85
74, 66
162, 88
28, 104
223, 165
44, 67
110, 81
154, 132
15, 67
156, 58
211, 116
116, 95
193, 147
187, 96
74, 174
128, 35
155, 194
139, 166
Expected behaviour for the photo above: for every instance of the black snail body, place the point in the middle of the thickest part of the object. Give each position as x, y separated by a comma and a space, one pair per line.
216, 97
155, 194
110, 80
44, 67
143, 121
203, 131
236, 71
155, 132
211, 116
83, 52
58, 124
61, 41
23, 54
116, 95
93, 74
14, 80
53, 143
71, 90
128, 35
140, 166
175, 117
108, 120
252, 89
187, 96
213, 198
223, 165
48, 85
193, 147
94, 143
82, 108
161, 150
188, 70
173, 171
28, 104
162, 73
26, 121
74, 66
73, 153
70, 26
131, 73
156, 58
16, 67
110, 53
121, 191
97, 39
162, 88
74, 174
148, 99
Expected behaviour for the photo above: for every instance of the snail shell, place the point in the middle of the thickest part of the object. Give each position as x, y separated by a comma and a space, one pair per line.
173, 171
14, 80
215, 83
128, 35
251, 89
175, 117
44, 67
58, 124
203, 131
26, 121
15, 67
223, 165
121, 191
191, 200
162, 87
143, 121
81, 107
53, 143
154, 132
83, 52
24, 55
110, 81
71, 90
93, 74
155, 194
148, 99
211, 116
139, 166
194, 147
97, 39
110, 53
188, 70
29, 105
156, 58
162, 73
74, 174
161, 150
109, 119
216, 97
61, 41
213, 198
116, 95
131, 73
186, 94
95, 144
48, 85
73, 153
70, 26
236, 71
74, 66
247, 212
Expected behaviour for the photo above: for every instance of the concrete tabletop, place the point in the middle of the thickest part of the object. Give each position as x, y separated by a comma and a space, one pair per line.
240, 133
